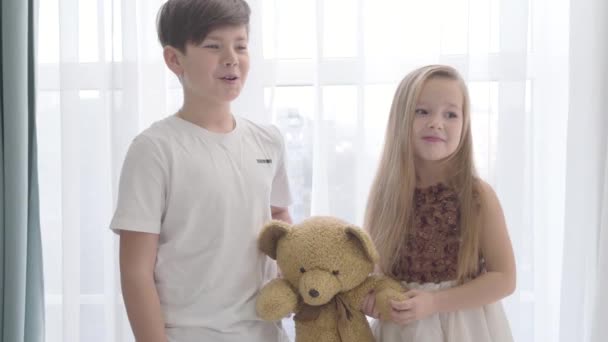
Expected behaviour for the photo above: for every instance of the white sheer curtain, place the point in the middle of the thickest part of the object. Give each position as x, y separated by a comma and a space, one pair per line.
101, 80
335, 88
584, 300
599, 304
325, 72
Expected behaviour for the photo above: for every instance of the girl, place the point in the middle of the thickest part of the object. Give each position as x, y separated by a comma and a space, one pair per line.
438, 227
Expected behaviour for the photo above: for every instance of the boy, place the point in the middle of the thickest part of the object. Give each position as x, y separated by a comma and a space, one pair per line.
195, 189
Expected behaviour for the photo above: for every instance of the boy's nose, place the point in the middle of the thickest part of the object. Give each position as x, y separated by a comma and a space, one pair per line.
230, 58
230, 62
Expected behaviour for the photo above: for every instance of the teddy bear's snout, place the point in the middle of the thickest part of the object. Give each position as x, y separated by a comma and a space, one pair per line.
318, 287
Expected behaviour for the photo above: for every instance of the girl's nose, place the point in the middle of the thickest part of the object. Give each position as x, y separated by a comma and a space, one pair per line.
435, 121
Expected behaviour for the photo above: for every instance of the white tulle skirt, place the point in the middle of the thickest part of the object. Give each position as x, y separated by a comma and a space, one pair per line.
484, 324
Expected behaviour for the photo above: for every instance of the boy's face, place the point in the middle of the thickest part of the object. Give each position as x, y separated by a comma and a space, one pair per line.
216, 69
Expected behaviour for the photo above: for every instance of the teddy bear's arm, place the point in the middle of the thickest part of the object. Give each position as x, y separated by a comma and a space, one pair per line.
276, 300
387, 289
356, 296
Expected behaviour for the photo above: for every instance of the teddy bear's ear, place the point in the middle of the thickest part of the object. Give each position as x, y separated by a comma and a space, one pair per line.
269, 238
364, 242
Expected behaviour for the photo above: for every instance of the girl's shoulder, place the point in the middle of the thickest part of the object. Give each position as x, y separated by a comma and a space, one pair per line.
481, 193
486, 198
482, 189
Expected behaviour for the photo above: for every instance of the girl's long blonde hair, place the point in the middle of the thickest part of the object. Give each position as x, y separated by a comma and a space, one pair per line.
390, 208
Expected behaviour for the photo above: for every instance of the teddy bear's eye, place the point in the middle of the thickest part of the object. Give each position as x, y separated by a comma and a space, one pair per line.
302, 270
335, 273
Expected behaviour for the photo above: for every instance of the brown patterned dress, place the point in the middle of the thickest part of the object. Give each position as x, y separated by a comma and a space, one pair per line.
430, 254
429, 263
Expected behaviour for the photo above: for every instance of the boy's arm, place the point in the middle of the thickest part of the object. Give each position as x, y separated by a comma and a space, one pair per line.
137, 259
280, 213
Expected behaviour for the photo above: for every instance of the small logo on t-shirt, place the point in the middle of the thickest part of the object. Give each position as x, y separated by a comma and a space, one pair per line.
264, 161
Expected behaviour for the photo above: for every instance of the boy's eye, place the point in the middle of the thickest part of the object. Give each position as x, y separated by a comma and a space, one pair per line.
211, 46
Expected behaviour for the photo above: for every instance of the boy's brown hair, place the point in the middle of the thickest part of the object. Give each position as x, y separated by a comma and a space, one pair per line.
180, 22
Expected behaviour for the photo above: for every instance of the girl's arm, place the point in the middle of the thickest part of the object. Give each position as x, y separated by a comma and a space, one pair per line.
137, 260
497, 283
499, 280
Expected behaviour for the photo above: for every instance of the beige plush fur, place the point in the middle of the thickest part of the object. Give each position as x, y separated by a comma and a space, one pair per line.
326, 265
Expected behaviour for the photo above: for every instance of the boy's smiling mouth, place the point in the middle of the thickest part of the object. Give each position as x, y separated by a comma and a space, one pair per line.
229, 78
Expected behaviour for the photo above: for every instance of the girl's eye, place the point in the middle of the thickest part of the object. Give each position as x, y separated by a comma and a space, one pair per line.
452, 115
421, 111
302, 270
241, 48
335, 272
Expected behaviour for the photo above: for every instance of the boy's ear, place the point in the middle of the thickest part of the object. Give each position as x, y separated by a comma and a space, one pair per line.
269, 238
172, 57
364, 242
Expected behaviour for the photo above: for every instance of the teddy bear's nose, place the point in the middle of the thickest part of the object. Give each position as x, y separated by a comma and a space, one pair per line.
313, 293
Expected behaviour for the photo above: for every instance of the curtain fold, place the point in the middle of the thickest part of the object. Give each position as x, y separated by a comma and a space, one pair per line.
584, 272
21, 276
599, 329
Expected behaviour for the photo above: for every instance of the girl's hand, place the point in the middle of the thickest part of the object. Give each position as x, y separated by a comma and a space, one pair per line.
369, 305
419, 305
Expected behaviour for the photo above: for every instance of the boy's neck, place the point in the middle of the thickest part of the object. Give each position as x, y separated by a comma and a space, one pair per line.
215, 118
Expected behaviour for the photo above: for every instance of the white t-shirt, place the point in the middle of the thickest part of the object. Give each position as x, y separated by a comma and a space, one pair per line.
208, 195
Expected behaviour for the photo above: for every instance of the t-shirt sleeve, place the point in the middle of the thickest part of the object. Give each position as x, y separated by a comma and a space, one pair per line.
280, 194
141, 191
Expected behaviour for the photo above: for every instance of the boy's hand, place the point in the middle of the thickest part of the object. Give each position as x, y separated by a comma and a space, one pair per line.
369, 305
418, 305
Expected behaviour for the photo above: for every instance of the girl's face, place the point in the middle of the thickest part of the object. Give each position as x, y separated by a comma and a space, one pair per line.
438, 119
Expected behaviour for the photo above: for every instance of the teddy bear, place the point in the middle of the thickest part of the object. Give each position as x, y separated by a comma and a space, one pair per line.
326, 265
